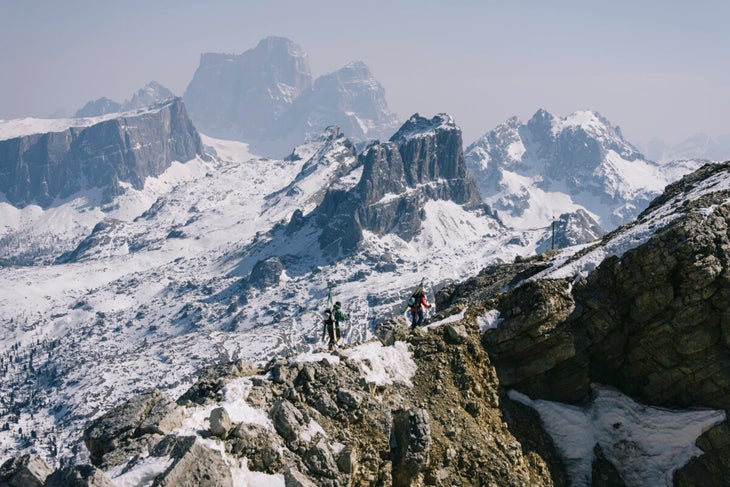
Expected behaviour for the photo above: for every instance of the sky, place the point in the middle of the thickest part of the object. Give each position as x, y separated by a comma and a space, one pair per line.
657, 69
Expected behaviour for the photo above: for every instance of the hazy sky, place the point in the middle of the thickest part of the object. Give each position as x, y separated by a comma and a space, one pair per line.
655, 68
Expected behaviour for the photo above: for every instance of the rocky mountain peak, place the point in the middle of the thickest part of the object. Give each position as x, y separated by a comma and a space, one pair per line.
266, 97
541, 118
417, 126
243, 96
581, 155
151, 94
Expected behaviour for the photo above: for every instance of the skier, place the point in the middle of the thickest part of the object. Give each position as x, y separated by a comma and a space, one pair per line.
416, 304
339, 316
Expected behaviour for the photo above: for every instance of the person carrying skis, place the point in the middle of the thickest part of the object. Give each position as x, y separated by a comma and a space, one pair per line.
416, 304
339, 316
329, 325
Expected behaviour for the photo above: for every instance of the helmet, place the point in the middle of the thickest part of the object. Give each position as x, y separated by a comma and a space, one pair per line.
338, 304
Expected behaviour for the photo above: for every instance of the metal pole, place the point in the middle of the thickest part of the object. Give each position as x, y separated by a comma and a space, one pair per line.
553, 243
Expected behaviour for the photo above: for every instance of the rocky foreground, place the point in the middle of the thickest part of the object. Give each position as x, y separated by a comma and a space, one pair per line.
432, 407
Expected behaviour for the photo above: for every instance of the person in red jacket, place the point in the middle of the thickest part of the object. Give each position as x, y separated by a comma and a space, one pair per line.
418, 302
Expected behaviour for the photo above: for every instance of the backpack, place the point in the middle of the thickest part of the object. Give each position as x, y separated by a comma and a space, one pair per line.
328, 318
415, 300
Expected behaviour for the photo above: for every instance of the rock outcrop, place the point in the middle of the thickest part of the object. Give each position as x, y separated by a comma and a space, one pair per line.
649, 322
42, 167
24, 471
131, 428
423, 161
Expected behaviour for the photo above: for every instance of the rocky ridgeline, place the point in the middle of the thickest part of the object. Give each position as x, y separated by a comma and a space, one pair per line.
450, 427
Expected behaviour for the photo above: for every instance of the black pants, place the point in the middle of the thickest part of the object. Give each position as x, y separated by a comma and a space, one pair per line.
416, 317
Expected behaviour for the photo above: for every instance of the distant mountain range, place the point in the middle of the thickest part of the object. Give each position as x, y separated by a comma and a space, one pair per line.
699, 146
267, 98
150, 94
530, 173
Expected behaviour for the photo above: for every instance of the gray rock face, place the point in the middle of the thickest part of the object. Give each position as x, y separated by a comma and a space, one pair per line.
242, 97
266, 97
410, 443
25, 471
650, 322
40, 168
78, 476
131, 428
194, 465
422, 162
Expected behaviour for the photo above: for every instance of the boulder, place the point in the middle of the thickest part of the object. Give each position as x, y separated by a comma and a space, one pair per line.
220, 422
24, 471
194, 465
410, 442
319, 460
456, 333
288, 420
130, 428
261, 446
79, 476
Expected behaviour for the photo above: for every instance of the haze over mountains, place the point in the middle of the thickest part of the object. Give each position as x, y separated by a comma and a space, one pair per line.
135, 250
267, 98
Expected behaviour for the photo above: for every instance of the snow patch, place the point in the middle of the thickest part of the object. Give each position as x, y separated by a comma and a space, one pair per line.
646, 444
384, 365
450, 319
487, 321
142, 474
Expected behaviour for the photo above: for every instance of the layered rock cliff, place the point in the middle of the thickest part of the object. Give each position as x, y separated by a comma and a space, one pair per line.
42, 167
423, 161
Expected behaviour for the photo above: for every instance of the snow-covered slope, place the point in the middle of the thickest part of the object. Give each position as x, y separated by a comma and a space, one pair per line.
530, 173
164, 284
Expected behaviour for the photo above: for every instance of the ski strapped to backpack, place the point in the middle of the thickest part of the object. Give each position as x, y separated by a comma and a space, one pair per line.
415, 296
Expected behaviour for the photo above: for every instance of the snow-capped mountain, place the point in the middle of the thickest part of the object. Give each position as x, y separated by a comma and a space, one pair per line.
266, 98
699, 146
151, 94
529, 173
228, 259
64, 175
